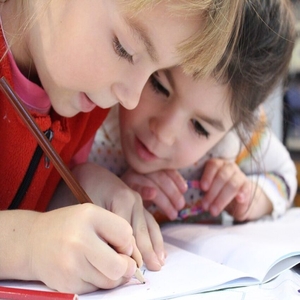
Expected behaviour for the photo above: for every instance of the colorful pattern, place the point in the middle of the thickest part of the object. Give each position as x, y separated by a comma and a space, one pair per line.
192, 211
280, 184
255, 141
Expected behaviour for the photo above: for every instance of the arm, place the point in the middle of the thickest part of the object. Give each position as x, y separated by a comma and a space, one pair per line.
272, 169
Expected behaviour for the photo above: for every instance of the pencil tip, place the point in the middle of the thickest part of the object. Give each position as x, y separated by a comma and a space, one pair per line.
139, 276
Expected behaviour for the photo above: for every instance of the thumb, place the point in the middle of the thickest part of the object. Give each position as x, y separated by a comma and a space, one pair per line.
146, 192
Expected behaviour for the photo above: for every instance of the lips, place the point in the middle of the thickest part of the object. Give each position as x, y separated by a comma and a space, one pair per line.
143, 152
86, 104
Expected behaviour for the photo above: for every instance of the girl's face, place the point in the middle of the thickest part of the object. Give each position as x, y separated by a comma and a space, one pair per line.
176, 122
89, 53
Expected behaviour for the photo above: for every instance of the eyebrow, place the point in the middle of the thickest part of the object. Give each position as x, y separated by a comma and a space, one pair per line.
140, 31
218, 124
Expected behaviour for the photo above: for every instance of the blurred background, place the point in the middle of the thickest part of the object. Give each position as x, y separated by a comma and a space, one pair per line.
283, 106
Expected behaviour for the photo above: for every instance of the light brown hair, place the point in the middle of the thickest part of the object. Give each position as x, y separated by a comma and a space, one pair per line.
260, 60
205, 50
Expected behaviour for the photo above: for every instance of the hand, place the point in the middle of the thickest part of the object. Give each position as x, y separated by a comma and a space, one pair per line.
108, 191
260, 205
227, 188
76, 249
164, 188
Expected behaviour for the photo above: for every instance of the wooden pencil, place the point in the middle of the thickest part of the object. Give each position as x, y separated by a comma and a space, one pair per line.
139, 276
45, 144
51, 153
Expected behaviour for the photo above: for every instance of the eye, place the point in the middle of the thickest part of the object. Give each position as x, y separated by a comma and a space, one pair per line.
158, 87
121, 52
200, 130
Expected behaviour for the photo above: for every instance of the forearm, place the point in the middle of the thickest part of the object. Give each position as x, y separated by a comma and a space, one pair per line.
273, 170
276, 189
260, 204
15, 244
90, 177
99, 183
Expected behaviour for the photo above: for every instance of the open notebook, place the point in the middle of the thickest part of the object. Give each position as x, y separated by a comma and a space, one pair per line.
211, 257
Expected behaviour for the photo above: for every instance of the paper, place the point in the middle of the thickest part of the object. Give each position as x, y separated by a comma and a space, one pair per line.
210, 257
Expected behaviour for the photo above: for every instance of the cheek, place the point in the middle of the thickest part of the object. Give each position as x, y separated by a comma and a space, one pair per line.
136, 117
82, 68
191, 151
188, 156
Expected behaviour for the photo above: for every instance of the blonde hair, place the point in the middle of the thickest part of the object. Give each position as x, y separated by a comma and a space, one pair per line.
25, 23
205, 50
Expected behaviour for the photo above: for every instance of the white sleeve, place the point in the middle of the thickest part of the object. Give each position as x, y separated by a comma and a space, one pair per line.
273, 169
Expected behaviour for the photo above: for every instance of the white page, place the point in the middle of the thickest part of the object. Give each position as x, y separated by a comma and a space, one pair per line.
285, 286
251, 248
184, 273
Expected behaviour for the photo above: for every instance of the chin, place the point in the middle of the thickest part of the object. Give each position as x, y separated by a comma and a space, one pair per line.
66, 113
142, 169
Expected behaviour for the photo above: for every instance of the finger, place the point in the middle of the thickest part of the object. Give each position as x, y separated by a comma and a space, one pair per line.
210, 196
125, 212
221, 178
166, 206
113, 229
136, 255
178, 180
148, 193
95, 277
238, 208
110, 263
156, 237
244, 194
143, 239
170, 189
210, 171
227, 194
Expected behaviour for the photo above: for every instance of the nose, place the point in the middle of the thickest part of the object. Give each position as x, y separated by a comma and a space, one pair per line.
128, 92
165, 127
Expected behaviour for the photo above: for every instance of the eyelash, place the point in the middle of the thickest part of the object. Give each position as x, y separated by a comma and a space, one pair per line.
200, 130
120, 51
159, 88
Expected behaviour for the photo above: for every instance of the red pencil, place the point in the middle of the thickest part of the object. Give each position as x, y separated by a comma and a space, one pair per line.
20, 294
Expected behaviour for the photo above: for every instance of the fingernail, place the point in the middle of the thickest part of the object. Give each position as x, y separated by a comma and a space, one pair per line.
161, 259
204, 185
184, 186
173, 215
204, 206
214, 211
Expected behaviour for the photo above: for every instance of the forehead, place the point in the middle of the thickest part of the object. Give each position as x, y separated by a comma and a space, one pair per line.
162, 30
